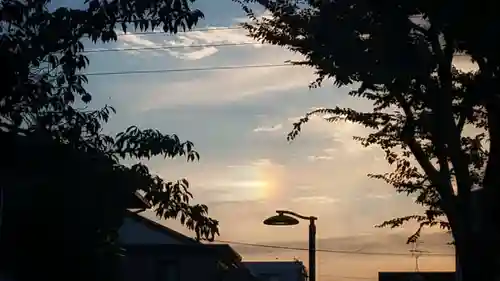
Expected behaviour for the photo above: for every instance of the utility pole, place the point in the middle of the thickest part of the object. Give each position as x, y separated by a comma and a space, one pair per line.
417, 253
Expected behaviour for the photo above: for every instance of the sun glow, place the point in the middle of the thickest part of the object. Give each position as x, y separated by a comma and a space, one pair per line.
259, 181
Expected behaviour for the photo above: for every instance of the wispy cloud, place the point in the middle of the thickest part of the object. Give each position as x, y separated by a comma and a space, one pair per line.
191, 45
194, 55
304, 187
465, 64
318, 158
273, 128
265, 162
225, 86
341, 134
217, 36
138, 41
327, 154
380, 196
218, 86
156, 46
251, 181
315, 199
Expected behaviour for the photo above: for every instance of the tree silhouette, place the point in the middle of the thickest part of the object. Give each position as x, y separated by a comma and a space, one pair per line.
64, 189
432, 120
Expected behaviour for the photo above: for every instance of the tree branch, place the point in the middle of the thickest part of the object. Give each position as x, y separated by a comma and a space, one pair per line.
449, 132
408, 137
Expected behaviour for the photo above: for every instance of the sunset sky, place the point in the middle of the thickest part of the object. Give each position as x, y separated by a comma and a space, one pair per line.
238, 120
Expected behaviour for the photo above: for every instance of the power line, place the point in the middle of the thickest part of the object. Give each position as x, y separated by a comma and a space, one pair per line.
181, 32
335, 277
212, 68
165, 47
188, 46
168, 47
329, 251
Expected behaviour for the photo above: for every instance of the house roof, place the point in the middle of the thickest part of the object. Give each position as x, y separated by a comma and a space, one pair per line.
138, 201
162, 229
187, 244
225, 251
222, 253
173, 249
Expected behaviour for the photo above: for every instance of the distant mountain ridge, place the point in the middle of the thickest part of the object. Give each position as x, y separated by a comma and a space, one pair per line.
394, 242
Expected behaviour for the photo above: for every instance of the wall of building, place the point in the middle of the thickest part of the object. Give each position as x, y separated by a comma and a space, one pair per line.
416, 276
277, 271
170, 267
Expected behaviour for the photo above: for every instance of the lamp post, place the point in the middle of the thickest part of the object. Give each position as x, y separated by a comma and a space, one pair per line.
285, 218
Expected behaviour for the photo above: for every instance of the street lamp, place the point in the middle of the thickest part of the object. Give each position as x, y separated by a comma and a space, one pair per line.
284, 218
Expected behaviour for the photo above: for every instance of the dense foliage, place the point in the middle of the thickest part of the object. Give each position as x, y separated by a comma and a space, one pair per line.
64, 189
438, 126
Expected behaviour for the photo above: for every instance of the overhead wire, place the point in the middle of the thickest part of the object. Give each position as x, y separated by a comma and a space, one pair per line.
208, 28
333, 277
168, 47
212, 68
330, 250
329, 276
184, 46
181, 32
161, 47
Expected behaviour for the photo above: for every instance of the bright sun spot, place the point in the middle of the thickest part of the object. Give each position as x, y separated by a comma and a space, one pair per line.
250, 182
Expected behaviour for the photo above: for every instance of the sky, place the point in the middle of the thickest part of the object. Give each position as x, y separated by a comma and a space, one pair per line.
238, 120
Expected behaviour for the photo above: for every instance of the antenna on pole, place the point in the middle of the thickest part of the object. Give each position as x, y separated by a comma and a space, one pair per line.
417, 253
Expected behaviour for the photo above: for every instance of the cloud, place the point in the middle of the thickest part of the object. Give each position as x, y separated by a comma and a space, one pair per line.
304, 187
318, 158
237, 191
138, 41
150, 45
194, 55
262, 162
190, 45
327, 155
341, 136
233, 190
217, 36
217, 86
380, 196
268, 129
210, 41
465, 63
315, 200
248, 182
135, 39
225, 86
265, 162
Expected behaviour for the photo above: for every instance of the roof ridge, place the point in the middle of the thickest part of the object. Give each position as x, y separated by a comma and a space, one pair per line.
160, 227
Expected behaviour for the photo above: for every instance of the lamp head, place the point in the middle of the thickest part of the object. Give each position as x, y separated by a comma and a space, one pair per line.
281, 220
